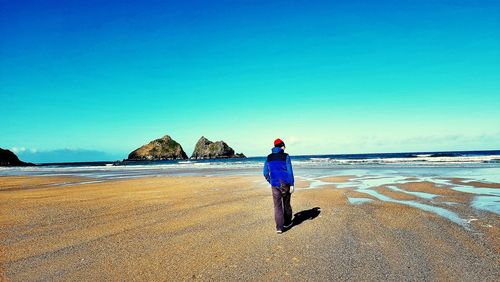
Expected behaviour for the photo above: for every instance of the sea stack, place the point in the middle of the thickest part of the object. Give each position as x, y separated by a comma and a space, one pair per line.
164, 148
7, 158
206, 149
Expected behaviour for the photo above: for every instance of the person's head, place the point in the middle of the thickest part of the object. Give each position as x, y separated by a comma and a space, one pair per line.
279, 143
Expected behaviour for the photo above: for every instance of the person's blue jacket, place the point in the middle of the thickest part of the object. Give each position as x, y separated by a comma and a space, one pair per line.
278, 167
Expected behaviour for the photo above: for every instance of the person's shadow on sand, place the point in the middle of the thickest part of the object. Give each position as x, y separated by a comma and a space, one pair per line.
304, 215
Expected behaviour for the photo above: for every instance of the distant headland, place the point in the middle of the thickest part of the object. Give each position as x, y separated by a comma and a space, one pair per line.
8, 158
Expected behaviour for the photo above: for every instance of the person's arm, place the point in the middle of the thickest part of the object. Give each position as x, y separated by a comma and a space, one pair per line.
266, 172
290, 171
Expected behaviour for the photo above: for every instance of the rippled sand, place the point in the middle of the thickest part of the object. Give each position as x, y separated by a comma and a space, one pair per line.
222, 228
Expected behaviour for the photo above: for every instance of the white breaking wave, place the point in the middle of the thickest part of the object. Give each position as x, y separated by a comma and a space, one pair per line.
320, 159
420, 159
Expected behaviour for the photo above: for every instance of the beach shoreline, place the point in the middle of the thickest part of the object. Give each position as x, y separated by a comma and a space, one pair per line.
222, 227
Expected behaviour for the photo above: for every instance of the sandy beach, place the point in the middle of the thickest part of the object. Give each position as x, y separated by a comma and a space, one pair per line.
222, 228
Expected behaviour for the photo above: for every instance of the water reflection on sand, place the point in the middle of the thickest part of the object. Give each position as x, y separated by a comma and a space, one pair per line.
368, 181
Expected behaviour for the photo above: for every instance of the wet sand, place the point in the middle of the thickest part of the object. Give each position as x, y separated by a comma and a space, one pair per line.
222, 228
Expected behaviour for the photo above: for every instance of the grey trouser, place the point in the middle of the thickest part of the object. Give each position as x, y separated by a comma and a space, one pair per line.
282, 208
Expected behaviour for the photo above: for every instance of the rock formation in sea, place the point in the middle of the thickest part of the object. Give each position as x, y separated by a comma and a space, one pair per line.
206, 149
8, 158
164, 148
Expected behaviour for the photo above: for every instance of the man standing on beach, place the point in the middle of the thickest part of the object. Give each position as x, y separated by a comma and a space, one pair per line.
278, 172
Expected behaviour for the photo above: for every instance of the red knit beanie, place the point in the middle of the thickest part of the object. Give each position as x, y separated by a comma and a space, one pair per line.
279, 143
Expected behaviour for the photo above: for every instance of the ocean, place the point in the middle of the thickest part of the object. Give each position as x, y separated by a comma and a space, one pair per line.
459, 162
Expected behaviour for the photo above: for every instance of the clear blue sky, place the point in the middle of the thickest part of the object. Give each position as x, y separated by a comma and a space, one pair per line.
104, 77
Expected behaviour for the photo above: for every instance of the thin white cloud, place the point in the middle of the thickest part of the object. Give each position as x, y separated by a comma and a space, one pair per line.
18, 149
23, 150
65, 155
